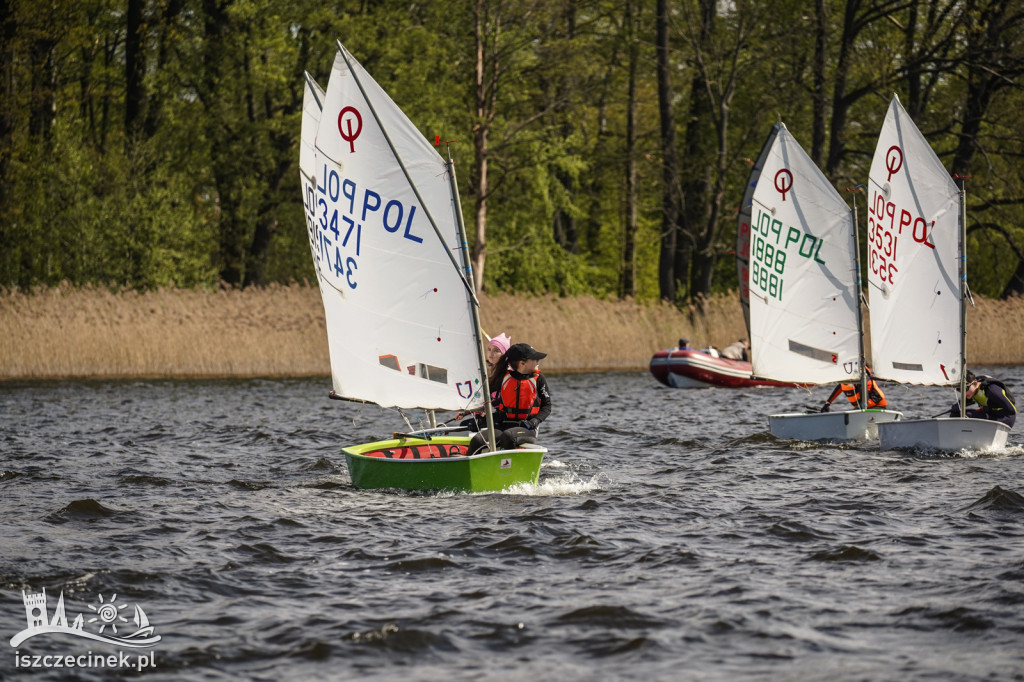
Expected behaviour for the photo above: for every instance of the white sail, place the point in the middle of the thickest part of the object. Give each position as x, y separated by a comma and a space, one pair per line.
312, 104
913, 236
743, 228
803, 281
399, 323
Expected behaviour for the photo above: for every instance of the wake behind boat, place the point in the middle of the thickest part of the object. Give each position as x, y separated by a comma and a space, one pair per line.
403, 326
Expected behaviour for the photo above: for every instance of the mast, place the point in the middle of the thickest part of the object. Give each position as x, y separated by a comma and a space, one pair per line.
473, 304
860, 314
962, 263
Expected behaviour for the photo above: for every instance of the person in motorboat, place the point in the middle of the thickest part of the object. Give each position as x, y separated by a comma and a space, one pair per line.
684, 344
737, 351
523, 400
995, 401
876, 399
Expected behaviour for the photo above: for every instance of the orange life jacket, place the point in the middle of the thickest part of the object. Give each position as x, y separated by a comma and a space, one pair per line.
875, 396
518, 399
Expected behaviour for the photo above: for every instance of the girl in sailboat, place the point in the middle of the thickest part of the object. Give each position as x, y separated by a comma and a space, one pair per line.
522, 399
496, 348
994, 400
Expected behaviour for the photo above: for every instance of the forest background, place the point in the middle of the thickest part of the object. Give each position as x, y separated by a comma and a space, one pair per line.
605, 144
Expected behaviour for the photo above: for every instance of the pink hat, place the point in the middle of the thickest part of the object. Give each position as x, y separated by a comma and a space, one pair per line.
501, 342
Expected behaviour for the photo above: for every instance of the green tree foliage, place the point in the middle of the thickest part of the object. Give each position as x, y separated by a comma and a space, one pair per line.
149, 143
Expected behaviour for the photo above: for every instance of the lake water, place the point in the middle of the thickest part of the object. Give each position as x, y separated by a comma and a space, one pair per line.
670, 538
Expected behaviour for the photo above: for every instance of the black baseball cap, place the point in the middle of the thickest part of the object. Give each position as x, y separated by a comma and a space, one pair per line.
524, 351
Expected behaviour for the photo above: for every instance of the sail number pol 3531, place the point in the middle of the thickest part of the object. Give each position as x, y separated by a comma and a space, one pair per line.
886, 222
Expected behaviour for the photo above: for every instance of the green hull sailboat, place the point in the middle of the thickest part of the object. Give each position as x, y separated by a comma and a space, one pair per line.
440, 463
390, 251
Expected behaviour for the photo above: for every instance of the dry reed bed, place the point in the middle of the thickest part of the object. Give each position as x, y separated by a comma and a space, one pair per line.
65, 332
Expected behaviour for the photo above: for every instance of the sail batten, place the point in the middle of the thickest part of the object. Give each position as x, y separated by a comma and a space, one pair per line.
802, 283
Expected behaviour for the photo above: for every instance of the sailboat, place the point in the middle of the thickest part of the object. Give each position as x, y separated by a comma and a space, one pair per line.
702, 368
804, 272
918, 284
403, 326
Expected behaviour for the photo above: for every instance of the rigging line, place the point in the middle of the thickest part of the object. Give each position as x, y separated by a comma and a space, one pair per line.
401, 164
405, 418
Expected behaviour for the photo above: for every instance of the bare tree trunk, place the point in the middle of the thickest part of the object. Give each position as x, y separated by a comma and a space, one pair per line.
700, 214
485, 29
669, 163
820, 47
134, 69
167, 33
836, 146
43, 109
990, 72
8, 117
564, 226
628, 279
914, 67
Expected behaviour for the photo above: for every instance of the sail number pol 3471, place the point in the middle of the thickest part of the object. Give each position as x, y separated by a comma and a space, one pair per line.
342, 210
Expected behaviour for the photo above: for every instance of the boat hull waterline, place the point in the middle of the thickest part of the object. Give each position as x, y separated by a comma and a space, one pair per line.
696, 369
842, 425
943, 434
441, 464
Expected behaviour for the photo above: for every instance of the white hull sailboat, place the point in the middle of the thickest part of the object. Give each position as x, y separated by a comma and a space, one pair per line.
860, 424
389, 247
805, 323
944, 434
918, 284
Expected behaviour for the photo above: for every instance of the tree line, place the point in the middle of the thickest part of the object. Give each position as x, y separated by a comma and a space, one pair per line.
603, 145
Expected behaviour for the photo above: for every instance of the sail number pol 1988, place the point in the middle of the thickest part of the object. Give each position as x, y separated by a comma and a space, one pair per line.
770, 242
342, 210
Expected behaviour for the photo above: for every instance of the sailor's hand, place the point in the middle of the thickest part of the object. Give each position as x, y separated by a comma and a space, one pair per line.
526, 425
825, 407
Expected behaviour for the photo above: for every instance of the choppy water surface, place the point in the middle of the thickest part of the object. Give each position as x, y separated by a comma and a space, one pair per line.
669, 538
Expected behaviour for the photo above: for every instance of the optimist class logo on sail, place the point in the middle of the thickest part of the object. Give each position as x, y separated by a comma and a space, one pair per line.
349, 133
344, 209
107, 614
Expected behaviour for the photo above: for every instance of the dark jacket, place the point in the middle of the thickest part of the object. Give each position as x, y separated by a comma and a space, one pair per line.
995, 402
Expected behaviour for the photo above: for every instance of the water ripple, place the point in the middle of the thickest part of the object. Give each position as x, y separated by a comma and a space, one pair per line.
674, 543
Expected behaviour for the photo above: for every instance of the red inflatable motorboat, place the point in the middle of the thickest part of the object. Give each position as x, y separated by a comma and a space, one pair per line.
701, 369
